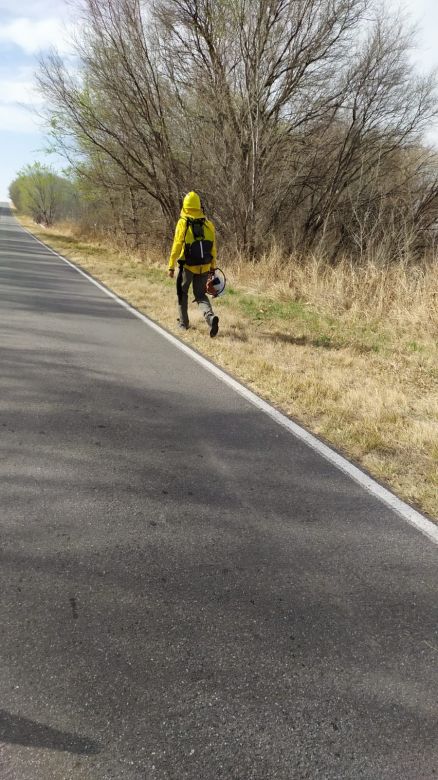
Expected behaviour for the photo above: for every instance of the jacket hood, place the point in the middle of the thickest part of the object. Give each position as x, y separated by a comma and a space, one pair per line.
192, 206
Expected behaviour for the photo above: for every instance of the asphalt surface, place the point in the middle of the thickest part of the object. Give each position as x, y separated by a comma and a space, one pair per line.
186, 590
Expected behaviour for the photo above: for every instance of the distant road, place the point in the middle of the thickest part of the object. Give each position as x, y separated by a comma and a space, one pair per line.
187, 591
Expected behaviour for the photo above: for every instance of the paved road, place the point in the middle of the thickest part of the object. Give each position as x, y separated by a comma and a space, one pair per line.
186, 590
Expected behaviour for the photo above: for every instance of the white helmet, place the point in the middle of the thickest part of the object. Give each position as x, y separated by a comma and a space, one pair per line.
216, 283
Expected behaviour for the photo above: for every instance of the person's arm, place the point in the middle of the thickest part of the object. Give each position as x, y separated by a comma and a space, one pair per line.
178, 245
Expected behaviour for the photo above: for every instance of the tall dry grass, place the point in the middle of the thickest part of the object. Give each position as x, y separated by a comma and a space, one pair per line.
402, 294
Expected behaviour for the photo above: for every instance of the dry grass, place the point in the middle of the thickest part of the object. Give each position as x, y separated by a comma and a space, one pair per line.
397, 294
350, 352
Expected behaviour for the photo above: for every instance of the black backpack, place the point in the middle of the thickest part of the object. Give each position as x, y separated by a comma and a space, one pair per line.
198, 252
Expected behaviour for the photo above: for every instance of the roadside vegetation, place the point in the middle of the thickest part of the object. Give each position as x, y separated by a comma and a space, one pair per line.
302, 126
42, 194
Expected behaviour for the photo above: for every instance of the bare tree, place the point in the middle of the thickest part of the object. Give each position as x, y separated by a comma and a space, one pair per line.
117, 105
293, 118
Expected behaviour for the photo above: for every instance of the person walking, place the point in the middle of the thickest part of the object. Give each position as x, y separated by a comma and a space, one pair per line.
194, 249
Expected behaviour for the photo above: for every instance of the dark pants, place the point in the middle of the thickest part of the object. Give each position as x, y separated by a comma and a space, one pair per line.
198, 281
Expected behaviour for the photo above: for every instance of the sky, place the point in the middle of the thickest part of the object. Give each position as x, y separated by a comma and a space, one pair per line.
27, 28
30, 27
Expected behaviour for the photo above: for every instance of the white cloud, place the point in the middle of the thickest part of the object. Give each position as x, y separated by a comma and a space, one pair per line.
19, 101
35, 9
33, 36
424, 15
19, 87
18, 119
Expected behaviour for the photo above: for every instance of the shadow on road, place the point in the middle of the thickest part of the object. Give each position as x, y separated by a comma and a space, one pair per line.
16, 730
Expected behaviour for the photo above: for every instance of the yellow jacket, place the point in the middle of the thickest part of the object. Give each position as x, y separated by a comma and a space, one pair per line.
192, 208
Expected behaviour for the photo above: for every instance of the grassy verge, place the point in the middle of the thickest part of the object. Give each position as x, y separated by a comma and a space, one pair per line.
350, 353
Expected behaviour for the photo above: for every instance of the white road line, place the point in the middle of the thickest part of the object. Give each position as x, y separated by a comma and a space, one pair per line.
409, 514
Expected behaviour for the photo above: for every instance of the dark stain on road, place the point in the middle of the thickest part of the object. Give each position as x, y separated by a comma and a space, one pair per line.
74, 608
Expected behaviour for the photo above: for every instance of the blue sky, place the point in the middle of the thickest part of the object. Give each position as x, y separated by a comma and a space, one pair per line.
28, 27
